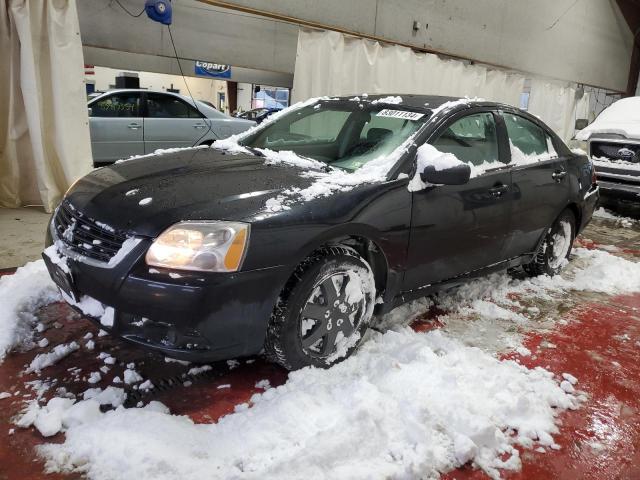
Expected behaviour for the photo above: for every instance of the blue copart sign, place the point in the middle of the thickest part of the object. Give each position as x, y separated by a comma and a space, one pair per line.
208, 69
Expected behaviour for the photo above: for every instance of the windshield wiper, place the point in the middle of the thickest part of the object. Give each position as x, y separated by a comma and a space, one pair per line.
255, 151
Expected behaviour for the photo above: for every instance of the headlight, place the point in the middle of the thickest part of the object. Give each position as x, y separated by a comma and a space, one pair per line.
202, 246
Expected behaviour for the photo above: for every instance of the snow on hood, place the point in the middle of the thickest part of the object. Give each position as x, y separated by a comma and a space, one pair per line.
621, 117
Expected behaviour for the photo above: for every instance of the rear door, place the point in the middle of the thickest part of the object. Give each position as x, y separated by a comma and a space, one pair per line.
116, 127
171, 122
540, 183
461, 228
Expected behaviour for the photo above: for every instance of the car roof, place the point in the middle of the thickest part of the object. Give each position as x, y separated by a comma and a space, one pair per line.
414, 101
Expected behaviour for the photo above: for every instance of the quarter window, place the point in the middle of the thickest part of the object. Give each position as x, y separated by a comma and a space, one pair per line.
117, 105
168, 106
525, 135
472, 139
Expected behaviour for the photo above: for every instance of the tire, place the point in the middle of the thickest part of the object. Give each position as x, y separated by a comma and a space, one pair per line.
332, 330
555, 248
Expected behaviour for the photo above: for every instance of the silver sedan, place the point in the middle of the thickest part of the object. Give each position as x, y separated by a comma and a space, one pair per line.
135, 122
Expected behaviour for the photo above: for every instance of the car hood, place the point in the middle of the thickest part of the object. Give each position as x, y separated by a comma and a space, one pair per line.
144, 196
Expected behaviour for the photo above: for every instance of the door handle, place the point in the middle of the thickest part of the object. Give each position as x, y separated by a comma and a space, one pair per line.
558, 175
199, 125
134, 126
498, 190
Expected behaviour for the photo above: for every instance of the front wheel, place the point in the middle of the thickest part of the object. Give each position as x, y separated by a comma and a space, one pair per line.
324, 310
555, 248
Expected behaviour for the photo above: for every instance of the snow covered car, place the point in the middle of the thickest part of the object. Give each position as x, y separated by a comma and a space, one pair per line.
290, 237
614, 146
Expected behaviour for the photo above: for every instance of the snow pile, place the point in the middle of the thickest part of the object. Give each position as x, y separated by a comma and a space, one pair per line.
622, 117
21, 295
93, 308
603, 272
620, 220
44, 360
464, 406
589, 270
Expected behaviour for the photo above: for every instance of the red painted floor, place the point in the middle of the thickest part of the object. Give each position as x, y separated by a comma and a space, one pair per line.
600, 345
591, 348
599, 441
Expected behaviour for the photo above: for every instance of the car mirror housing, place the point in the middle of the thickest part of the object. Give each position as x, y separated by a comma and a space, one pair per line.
89, 111
455, 175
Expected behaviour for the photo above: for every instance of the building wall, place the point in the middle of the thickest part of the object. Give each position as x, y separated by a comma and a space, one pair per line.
586, 41
244, 96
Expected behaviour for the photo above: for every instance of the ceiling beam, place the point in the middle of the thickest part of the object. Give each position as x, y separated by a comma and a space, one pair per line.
631, 11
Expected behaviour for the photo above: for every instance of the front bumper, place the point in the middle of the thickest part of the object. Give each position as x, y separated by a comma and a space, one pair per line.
628, 192
192, 316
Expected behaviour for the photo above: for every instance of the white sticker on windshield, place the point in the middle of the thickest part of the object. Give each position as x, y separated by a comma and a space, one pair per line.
399, 114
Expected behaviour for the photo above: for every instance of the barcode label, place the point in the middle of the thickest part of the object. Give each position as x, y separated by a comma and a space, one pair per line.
399, 114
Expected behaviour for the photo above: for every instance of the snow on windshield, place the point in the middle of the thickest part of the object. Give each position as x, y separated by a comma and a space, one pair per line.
327, 183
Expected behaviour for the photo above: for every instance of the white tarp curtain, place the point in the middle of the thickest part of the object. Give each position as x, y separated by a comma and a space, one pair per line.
556, 104
330, 63
44, 126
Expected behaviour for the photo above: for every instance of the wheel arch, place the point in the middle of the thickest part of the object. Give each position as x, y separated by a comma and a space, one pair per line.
365, 243
577, 214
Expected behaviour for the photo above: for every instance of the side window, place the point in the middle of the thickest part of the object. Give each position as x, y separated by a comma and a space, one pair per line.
472, 139
123, 104
168, 106
525, 135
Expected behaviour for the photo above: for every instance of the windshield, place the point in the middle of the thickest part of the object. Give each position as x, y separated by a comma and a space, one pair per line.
344, 134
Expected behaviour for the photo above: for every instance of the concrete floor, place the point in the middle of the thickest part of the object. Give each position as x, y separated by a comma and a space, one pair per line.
587, 344
22, 233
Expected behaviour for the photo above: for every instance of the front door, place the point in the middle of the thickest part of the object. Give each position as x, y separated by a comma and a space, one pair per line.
461, 228
171, 122
116, 127
539, 179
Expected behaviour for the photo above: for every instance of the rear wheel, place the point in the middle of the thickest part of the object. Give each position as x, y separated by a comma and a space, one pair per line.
324, 310
555, 248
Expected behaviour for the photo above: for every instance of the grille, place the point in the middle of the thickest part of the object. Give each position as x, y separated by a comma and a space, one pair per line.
628, 152
86, 236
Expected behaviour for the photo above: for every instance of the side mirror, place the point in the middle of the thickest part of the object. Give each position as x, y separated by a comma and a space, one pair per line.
89, 110
456, 175
581, 123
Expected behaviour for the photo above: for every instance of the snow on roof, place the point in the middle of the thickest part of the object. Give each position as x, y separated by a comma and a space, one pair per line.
621, 117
